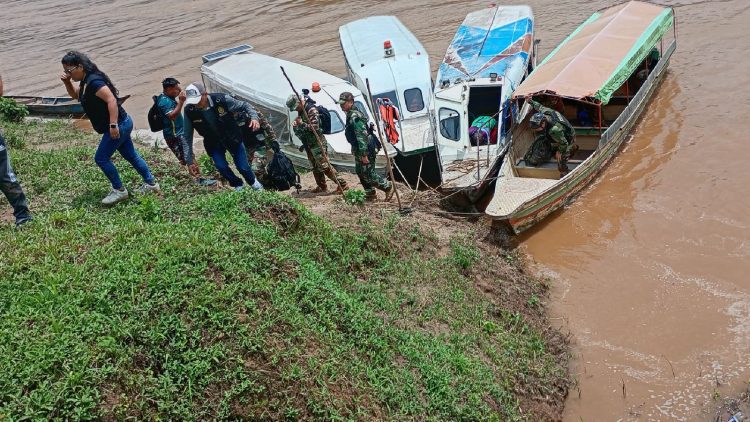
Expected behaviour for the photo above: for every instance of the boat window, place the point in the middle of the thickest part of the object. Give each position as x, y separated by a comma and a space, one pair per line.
337, 125
361, 107
450, 124
414, 101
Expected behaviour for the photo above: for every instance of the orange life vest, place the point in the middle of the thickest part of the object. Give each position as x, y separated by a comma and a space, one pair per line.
389, 115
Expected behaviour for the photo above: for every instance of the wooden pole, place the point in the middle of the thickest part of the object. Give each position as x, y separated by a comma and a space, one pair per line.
315, 132
385, 151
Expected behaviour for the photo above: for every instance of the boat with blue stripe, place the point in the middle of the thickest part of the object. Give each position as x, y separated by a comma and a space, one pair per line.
492, 52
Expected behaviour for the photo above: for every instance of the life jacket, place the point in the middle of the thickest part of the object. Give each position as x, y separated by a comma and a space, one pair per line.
389, 115
96, 109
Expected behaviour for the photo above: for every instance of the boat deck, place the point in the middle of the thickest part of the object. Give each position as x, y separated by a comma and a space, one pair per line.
549, 170
511, 191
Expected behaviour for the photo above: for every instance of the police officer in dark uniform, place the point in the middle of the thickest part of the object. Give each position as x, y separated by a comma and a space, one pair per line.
213, 116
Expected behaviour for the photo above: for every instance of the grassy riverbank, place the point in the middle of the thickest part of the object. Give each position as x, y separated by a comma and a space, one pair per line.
203, 304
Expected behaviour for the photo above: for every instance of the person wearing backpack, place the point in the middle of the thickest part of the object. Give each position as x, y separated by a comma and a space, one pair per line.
317, 152
554, 136
213, 116
363, 150
168, 114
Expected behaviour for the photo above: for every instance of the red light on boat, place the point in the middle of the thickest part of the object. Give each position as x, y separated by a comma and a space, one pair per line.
387, 45
315, 87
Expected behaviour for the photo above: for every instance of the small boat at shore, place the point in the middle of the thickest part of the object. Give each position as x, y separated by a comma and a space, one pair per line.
382, 51
54, 106
601, 77
257, 79
491, 53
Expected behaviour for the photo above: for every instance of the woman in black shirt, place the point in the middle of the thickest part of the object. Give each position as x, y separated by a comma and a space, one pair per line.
98, 96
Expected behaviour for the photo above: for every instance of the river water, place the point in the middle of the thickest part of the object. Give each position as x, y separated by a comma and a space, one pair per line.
649, 265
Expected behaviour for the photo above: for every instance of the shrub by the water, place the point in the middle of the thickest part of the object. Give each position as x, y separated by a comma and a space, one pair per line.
12, 111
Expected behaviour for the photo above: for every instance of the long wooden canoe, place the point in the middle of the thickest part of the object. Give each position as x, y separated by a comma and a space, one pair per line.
610, 56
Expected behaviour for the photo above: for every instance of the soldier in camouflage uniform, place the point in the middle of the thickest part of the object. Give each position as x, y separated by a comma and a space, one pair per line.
318, 157
555, 136
255, 139
364, 157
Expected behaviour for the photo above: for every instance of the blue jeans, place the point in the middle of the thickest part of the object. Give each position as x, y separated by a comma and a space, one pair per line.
107, 148
239, 156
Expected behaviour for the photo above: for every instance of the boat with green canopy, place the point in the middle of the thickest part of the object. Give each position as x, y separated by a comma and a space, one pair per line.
600, 78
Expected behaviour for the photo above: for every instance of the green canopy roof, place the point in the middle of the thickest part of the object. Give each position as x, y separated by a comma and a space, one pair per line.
602, 53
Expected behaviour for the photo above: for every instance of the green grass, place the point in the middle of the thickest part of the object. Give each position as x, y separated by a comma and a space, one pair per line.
205, 305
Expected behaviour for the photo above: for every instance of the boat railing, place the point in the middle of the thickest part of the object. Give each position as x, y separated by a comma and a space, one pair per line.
635, 101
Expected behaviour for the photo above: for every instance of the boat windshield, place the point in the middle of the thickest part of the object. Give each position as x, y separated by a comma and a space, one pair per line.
337, 125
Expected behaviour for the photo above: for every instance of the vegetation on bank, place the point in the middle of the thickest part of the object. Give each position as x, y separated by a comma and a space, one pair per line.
204, 305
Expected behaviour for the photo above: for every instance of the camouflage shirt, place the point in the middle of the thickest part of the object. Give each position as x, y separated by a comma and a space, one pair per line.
265, 125
305, 129
556, 132
358, 121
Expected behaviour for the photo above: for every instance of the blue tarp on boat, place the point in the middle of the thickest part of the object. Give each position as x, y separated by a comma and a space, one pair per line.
489, 41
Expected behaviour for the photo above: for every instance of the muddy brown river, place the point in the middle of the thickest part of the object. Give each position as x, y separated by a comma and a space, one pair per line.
650, 266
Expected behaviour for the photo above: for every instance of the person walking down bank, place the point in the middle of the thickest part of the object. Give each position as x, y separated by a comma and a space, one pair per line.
213, 116
364, 157
98, 96
170, 103
9, 184
317, 152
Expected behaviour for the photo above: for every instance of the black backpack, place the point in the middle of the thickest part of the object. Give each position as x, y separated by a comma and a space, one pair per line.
155, 119
281, 171
325, 115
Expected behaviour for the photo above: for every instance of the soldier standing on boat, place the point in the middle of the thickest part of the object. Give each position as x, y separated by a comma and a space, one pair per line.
554, 136
316, 151
356, 134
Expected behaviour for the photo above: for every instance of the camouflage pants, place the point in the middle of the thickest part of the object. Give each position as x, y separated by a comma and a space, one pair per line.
367, 175
321, 167
542, 150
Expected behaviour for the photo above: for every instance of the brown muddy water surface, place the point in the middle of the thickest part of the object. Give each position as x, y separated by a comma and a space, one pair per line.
649, 265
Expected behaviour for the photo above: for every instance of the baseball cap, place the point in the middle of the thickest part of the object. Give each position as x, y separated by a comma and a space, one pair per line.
344, 97
194, 92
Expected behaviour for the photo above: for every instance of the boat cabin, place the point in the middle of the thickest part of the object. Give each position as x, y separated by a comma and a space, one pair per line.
489, 56
491, 53
382, 51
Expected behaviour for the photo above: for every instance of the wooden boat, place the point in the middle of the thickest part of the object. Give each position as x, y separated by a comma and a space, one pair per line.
491, 53
257, 79
54, 106
381, 50
606, 67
